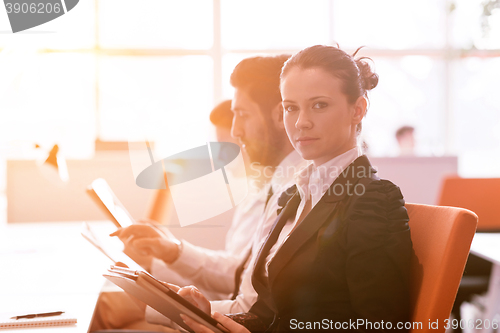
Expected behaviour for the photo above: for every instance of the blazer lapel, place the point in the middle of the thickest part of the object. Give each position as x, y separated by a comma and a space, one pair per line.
305, 230
358, 169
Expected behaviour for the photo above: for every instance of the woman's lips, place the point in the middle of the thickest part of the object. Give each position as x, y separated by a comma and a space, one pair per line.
306, 140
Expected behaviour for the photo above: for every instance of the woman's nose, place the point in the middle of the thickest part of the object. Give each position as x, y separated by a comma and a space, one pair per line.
304, 120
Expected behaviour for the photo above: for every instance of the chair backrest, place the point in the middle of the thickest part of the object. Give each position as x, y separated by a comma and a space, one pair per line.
160, 206
481, 195
441, 239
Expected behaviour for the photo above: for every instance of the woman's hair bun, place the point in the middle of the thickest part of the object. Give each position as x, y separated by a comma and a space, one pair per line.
368, 77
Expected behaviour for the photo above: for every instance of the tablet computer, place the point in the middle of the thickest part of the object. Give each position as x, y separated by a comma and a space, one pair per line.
108, 247
106, 199
160, 297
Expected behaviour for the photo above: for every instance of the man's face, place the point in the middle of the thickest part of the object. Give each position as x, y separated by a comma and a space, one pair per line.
225, 154
252, 129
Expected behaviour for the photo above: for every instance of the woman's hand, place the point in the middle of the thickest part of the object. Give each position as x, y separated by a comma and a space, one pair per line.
228, 323
172, 286
193, 295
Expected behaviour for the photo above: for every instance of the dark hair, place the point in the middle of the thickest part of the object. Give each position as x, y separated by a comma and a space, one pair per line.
403, 130
260, 78
356, 74
222, 115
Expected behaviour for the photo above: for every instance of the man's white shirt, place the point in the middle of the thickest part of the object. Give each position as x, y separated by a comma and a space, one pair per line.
215, 270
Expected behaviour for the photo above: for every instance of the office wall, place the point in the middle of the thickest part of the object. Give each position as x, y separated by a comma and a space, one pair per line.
33, 196
419, 178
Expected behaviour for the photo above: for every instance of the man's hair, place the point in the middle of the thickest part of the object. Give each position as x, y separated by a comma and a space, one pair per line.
260, 78
221, 115
403, 130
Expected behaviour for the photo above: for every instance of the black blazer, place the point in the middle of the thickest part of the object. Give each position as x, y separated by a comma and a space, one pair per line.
349, 259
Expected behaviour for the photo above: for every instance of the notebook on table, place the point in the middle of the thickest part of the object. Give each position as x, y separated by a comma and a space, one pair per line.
7, 323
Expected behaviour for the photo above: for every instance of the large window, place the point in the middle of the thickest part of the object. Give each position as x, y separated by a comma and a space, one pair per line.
122, 69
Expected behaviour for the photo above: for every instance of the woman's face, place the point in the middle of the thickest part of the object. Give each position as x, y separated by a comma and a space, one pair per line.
319, 121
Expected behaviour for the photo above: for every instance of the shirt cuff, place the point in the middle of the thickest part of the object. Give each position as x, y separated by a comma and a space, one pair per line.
188, 261
157, 266
225, 306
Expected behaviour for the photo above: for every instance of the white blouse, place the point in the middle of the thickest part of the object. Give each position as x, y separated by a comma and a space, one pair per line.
312, 183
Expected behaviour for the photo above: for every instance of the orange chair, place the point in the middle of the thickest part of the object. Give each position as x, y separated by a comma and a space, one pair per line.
481, 195
441, 239
161, 205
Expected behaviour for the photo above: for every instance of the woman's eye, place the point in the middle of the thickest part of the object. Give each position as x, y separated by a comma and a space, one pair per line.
320, 105
290, 108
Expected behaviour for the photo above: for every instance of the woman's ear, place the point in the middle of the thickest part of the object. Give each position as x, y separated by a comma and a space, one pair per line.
277, 116
359, 110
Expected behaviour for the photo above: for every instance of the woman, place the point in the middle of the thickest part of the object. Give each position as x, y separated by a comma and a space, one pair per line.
339, 254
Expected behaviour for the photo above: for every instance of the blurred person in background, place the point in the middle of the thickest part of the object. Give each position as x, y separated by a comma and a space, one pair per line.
406, 140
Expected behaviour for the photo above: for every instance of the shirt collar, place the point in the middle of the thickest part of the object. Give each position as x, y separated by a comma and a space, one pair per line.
314, 181
286, 170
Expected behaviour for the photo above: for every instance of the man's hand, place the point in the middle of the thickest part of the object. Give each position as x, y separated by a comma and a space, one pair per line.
145, 241
228, 323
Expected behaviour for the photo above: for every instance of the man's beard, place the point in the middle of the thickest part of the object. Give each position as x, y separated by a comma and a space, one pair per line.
266, 152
